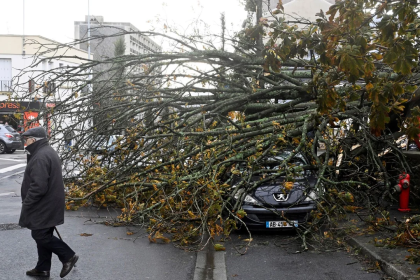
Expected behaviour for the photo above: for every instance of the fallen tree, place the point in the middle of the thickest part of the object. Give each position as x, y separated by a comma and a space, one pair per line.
191, 116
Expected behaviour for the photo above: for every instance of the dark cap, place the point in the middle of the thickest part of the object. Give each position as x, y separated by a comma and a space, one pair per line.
38, 132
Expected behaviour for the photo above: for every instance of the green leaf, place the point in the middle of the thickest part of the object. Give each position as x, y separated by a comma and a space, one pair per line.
410, 88
406, 67
390, 57
398, 89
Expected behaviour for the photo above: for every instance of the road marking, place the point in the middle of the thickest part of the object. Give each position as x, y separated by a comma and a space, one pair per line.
13, 167
7, 193
18, 160
12, 174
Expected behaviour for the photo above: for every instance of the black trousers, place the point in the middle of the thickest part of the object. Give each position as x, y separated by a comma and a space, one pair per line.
47, 244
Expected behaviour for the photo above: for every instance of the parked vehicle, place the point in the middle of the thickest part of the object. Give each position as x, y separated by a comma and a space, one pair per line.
103, 144
9, 139
271, 205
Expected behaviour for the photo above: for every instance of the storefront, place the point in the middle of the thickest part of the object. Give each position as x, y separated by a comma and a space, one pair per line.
23, 115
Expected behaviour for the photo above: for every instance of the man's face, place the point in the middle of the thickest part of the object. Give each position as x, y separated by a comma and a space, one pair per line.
29, 140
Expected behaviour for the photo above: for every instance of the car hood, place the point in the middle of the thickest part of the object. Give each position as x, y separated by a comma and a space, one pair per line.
274, 194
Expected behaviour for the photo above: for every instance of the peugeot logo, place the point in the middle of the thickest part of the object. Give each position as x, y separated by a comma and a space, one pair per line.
281, 196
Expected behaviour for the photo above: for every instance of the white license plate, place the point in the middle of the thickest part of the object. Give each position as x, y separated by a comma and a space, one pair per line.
281, 224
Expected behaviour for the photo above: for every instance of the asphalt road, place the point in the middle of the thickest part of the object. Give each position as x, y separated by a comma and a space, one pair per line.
275, 256
12, 167
112, 254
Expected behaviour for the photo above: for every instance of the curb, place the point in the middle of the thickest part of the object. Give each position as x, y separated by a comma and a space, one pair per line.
210, 264
397, 272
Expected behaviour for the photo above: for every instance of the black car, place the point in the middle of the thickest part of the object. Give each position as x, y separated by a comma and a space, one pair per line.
9, 139
271, 205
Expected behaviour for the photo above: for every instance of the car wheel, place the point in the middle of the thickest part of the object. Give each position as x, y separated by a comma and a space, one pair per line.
11, 151
2, 148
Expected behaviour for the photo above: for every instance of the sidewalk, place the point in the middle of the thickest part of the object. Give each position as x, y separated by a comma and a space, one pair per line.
109, 253
391, 261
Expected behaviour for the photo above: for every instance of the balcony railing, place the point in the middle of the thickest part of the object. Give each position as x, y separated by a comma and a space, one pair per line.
5, 85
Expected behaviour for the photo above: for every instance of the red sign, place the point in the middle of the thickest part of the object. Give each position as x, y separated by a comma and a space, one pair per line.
30, 120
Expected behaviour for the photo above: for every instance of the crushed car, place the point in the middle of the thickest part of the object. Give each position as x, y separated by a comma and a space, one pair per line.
276, 202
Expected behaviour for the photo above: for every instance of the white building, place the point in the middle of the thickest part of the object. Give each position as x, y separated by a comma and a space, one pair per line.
24, 91
104, 48
298, 8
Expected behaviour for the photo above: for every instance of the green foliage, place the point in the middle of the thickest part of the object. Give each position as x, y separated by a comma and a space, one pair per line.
351, 50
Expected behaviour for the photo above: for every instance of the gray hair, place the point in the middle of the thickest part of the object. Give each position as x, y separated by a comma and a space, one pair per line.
38, 138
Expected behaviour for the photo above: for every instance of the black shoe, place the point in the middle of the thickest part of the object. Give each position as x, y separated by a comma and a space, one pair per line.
68, 266
39, 273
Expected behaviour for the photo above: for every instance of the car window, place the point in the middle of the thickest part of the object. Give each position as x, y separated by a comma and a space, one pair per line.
10, 129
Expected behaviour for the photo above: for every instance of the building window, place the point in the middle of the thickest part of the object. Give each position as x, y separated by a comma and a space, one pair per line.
5, 74
48, 88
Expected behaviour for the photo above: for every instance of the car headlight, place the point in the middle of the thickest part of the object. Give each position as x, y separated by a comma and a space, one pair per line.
248, 199
312, 196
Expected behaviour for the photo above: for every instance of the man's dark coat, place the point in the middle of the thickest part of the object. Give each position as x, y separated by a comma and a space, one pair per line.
42, 188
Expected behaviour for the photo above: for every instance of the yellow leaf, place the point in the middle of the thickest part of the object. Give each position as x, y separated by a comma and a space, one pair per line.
160, 236
377, 56
369, 86
241, 213
288, 185
236, 172
151, 239
191, 214
219, 247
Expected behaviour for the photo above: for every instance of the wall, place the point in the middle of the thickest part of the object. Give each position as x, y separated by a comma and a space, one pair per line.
13, 44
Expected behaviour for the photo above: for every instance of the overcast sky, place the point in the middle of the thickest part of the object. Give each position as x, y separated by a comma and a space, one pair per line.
54, 19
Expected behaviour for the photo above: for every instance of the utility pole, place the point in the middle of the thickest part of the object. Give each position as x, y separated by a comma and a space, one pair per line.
23, 31
260, 45
88, 42
88, 19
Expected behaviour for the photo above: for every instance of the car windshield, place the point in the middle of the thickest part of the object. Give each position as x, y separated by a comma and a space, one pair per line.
272, 163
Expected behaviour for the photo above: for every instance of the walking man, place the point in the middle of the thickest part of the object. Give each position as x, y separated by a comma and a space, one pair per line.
43, 203
68, 138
